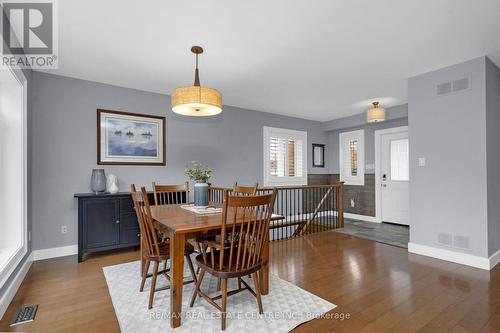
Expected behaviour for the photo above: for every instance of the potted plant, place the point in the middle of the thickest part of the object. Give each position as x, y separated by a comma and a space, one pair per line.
200, 177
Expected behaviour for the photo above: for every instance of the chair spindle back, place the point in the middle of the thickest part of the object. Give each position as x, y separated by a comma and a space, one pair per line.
245, 227
244, 190
171, 194
149, 236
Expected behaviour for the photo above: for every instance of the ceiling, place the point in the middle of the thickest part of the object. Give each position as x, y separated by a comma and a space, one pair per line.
319, 60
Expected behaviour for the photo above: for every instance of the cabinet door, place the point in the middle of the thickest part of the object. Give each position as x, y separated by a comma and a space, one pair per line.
129, 228
101, 222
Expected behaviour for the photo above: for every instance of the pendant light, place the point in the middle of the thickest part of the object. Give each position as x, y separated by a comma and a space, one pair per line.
196, 100
376, 114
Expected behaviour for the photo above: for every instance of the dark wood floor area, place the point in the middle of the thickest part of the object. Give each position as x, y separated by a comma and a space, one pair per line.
378, 287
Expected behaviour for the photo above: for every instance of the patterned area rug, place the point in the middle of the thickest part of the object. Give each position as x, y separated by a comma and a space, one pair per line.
285, 307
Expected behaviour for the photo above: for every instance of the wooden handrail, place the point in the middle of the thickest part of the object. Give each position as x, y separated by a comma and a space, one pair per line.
270, 188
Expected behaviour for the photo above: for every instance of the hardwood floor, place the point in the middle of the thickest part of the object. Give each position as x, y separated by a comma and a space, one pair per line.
377, 287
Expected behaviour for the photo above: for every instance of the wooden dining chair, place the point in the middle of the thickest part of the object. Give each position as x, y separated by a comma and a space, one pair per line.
171, 194
245, 190
154, 250
239, 191
245, 229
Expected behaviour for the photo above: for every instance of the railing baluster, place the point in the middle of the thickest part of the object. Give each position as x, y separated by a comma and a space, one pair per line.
306, 209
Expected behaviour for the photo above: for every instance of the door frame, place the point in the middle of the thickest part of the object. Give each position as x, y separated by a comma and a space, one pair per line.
378, 165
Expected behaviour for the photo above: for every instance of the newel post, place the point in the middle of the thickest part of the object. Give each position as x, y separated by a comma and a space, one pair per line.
340, 203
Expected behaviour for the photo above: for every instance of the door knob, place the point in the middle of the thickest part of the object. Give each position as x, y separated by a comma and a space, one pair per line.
384, 185
117, 221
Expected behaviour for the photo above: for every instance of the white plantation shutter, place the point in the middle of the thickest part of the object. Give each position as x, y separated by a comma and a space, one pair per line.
277, 148
299, 162
352, 157
284, 157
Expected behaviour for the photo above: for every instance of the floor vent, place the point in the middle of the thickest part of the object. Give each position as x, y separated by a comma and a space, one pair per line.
25, 315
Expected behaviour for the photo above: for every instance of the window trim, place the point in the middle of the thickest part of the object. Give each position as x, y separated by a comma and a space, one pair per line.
283, 181
19, 253
358, 180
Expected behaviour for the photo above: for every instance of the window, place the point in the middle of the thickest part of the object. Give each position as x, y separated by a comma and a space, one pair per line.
285, 161
400, 167
352, 157
13, 171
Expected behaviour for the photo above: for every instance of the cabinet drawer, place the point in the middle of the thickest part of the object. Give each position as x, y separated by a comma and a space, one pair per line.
130, 236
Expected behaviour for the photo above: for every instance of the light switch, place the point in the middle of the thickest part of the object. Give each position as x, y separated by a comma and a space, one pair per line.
421, 161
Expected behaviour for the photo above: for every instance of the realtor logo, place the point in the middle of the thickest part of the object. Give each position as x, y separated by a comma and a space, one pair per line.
29, 33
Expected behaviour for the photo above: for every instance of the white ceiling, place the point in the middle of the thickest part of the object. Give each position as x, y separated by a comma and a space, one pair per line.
313, 59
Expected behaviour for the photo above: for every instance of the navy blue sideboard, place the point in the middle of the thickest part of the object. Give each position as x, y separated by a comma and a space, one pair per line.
105, 222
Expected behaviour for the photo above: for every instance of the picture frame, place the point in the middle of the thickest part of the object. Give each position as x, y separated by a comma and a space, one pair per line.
125, 138
318, 155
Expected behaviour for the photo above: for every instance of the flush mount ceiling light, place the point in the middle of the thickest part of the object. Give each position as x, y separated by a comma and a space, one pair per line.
196, 101
376, 114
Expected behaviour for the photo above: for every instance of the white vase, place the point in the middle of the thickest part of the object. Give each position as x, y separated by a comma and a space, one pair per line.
112, 184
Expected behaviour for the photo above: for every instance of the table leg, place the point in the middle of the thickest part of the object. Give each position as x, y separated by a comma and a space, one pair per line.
176, 277
264, 272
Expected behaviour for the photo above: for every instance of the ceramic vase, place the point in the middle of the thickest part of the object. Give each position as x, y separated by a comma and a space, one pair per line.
200, 194
98, 181
112, 184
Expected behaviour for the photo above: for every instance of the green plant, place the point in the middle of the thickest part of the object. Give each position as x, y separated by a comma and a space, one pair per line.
195, 172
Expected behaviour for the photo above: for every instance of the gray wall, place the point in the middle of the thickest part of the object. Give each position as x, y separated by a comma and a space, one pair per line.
493, 154
449, 194
363, 197
333, 141
64, 147
395, 112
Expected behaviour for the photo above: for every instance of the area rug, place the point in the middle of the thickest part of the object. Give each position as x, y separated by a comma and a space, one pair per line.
285, 307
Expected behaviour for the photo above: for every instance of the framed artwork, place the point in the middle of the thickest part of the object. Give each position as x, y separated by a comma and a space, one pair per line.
318, 155
125, 138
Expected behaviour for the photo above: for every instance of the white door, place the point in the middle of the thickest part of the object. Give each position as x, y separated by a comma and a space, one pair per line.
395, 176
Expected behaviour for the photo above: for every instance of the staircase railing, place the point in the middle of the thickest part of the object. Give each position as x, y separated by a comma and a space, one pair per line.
307, 209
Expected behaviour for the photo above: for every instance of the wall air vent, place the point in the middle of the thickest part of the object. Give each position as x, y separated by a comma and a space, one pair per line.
461, 242
445, 239
443, 88
455, 86
461, 84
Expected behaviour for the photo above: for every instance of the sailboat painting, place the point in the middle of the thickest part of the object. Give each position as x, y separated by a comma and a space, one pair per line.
130, 139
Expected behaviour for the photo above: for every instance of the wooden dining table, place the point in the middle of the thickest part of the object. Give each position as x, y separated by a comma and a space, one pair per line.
180, 224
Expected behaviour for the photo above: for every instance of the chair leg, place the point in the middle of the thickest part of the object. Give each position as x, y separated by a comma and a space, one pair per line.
257, 292
224, 303
239, 283
218, 284
197, 287
144, 274
191, 267
153, 285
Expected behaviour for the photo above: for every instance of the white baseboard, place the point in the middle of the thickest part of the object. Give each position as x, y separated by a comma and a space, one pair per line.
11, 290
365, 218
494, 259
55, 252
457, 257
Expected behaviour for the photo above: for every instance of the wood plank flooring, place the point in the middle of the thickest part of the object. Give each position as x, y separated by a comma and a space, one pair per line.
377, 287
